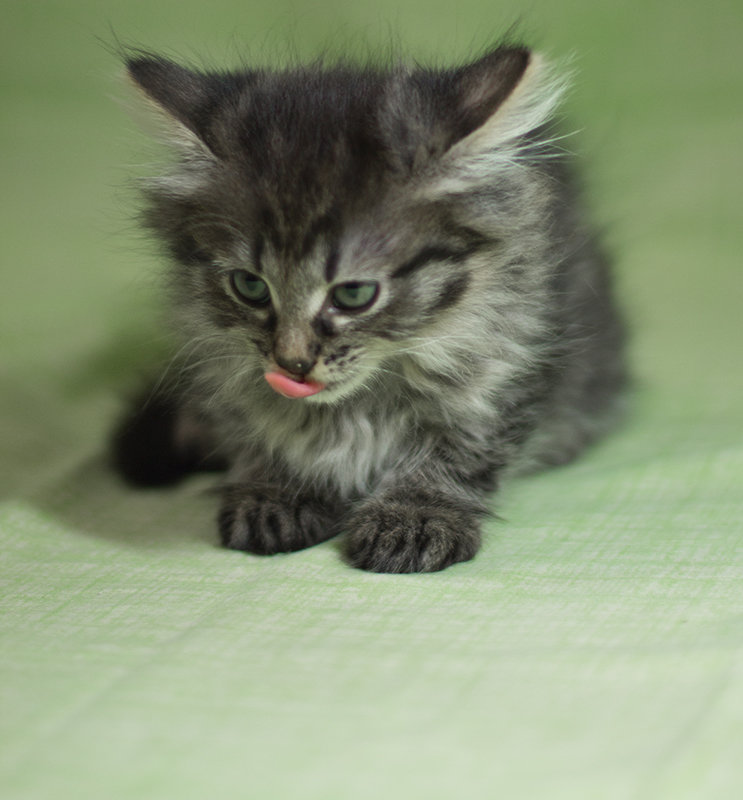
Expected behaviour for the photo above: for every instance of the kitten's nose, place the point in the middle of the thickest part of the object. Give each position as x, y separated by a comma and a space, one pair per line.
294, 364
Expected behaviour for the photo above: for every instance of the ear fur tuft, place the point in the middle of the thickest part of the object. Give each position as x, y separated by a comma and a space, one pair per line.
506, 137
488, 105
530, 105
180, 96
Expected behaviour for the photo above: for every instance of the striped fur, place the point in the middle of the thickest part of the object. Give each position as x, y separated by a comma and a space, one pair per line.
492, 343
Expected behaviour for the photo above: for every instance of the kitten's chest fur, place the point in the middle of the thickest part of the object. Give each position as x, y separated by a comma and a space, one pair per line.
345, 449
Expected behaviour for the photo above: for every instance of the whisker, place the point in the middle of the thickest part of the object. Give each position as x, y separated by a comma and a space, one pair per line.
184, 352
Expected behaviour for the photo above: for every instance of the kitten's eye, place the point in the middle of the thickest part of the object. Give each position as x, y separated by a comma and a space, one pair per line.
249, 287
355, 295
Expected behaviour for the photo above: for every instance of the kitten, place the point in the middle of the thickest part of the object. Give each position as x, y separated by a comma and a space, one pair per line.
385, 293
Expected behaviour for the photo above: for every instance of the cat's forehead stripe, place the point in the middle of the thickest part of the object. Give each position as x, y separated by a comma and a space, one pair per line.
258, 247
325, 225
331, 263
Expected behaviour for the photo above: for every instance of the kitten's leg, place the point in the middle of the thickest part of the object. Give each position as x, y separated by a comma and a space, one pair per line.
161, 440
264, 518
409, 529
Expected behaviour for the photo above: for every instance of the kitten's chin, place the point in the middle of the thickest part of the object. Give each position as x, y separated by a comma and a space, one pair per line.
338, 392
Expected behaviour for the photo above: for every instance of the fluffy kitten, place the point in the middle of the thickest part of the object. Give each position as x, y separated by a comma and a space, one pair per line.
385, 294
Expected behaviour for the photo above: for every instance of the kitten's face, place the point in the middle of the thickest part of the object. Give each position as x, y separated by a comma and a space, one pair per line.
301, 215
362, 289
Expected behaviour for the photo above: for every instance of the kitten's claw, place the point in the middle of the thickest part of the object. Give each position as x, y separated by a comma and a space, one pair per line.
263, 524
402, 536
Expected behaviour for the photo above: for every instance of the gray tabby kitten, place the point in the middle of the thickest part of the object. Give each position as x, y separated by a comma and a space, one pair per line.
385, 293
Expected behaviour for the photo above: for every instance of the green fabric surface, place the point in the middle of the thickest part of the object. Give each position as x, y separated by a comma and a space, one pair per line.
594, 648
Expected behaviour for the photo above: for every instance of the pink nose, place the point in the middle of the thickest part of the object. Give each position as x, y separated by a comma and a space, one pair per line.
289, 387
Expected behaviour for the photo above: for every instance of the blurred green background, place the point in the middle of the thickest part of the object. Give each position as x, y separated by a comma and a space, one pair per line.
596, 643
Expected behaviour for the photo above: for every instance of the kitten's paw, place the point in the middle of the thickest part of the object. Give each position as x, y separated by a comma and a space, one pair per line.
417, 535
265, 523
159, 443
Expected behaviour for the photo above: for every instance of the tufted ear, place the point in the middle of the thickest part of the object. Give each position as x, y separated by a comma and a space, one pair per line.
479, 109
187, 99
529, 105
480, 89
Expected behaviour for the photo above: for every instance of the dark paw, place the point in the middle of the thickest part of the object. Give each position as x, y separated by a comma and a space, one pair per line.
158, 444
411, 535
265, 523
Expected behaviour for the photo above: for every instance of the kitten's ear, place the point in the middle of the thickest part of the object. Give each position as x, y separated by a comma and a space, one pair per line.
182, 95
479, 89
519, 92
477, 112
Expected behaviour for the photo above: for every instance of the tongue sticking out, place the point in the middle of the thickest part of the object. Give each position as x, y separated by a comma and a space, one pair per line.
290, 388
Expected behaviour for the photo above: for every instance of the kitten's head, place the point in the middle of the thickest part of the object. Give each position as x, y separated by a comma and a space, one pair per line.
325, 221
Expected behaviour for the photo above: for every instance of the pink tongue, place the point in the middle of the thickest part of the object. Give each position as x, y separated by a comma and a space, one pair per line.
291, 388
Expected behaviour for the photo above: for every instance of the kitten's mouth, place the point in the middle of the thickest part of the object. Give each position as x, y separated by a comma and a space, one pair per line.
291, 387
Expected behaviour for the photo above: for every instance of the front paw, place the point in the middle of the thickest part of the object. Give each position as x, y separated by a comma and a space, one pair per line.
419, 534
264, 522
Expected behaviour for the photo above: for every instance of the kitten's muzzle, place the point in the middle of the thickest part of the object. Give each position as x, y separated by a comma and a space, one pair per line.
290, 377
296, 366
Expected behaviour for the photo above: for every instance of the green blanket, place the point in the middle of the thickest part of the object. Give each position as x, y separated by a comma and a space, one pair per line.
594, 648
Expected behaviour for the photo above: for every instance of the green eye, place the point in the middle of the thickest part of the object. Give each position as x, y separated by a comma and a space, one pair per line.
249, 287
355, 295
